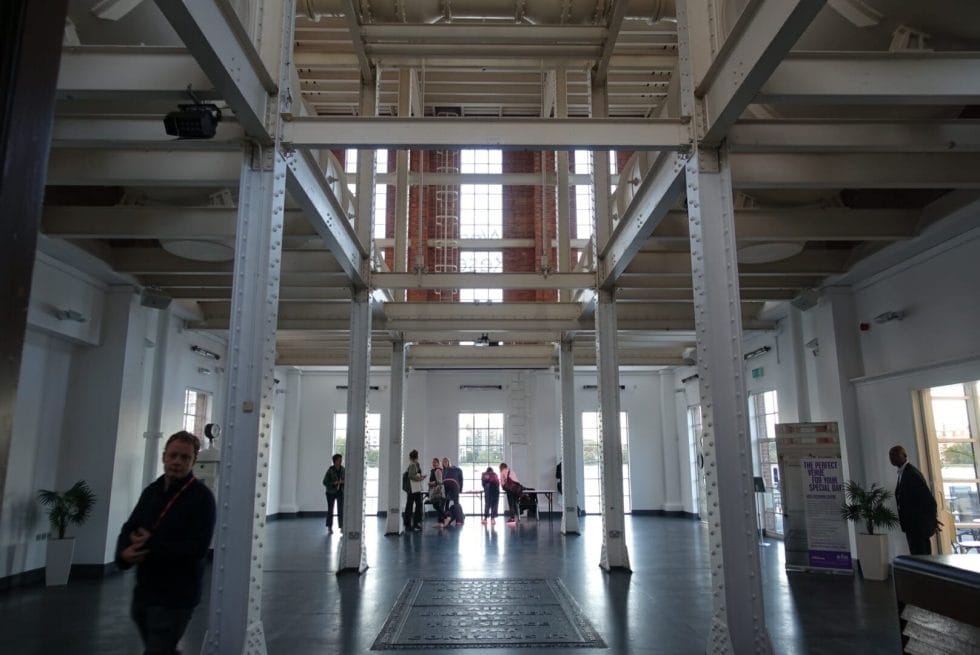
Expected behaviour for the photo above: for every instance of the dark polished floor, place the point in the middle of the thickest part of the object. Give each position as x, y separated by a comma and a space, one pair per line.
664, 606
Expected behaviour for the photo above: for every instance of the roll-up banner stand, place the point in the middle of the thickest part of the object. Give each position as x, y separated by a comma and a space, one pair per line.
812, 485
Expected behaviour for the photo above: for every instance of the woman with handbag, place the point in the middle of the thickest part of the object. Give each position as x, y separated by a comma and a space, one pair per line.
437, 492
513, 488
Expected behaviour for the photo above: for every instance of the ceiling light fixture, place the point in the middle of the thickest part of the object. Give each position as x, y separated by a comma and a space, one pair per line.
69, 315
889, 316
758, 352
203, 352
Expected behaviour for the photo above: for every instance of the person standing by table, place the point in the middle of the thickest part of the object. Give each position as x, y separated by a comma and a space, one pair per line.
333, 481
491, 495
513, 488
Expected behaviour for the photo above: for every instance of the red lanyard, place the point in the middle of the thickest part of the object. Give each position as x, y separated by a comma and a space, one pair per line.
172, 501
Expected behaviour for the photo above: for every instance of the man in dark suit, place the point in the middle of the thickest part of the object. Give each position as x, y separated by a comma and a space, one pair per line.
916, 504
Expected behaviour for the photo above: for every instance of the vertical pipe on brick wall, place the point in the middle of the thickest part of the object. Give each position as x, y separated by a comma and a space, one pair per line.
545, 244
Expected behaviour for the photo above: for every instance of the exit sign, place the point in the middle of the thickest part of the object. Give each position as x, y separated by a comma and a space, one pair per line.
756, 373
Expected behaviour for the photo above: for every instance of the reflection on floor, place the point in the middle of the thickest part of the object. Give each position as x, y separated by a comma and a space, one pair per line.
664, 606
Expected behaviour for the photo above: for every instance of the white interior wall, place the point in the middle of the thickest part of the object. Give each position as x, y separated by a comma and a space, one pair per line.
82, 408
37, 429
433, 400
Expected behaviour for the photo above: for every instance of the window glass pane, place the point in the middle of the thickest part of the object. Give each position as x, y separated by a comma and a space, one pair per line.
372, 455
951, 418
958, 460
481, 444
592, 459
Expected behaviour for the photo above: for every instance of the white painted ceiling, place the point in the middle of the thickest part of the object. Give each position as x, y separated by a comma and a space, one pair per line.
490, 58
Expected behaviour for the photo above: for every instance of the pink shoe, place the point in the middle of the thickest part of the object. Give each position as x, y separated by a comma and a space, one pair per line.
492, 521
484, 521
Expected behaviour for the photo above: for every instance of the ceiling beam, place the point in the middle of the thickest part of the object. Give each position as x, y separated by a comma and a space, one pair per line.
614, 25
954, 135
150, 168
510, 133
124, 71
137, 132
156, 261
222, 48
875, 78
482, 34
354, 28
760, 38
794, 224
155, 222
311, 191
286, 294
755, 282
525, 281
656, 195
814, 262
224, 280
960, 170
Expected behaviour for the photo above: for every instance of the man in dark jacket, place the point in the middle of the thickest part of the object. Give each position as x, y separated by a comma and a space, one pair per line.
167, 538
333, 482
916, 504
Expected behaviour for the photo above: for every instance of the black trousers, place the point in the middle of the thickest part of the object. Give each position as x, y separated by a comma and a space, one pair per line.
339, 500
160, 627
491, 499
918, 543
513, 504
413, 511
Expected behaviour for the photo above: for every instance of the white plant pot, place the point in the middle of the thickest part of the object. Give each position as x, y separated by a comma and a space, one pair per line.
872, 552
58, 566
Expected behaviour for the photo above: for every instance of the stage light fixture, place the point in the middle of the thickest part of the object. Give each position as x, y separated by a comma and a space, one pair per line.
193, 121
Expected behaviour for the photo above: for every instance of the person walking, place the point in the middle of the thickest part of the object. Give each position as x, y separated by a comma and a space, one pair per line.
413, 506
333, 482
166, 538
916, 504
491, 495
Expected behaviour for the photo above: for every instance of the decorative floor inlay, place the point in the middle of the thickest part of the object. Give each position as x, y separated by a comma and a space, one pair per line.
467, 613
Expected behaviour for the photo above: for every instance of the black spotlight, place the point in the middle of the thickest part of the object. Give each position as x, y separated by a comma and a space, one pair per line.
197, 121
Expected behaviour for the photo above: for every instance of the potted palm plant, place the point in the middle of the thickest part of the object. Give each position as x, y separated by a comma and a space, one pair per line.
867, 506
71, 507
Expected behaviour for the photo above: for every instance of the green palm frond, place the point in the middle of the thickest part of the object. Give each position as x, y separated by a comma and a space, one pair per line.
71, 507
868, 505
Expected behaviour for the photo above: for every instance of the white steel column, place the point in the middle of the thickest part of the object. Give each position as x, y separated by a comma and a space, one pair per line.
353, 556
364, 220
401, 181
235, 621
738, 622
739, 615
395, 444
614, 553
569, 449
563, 209
600, 172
